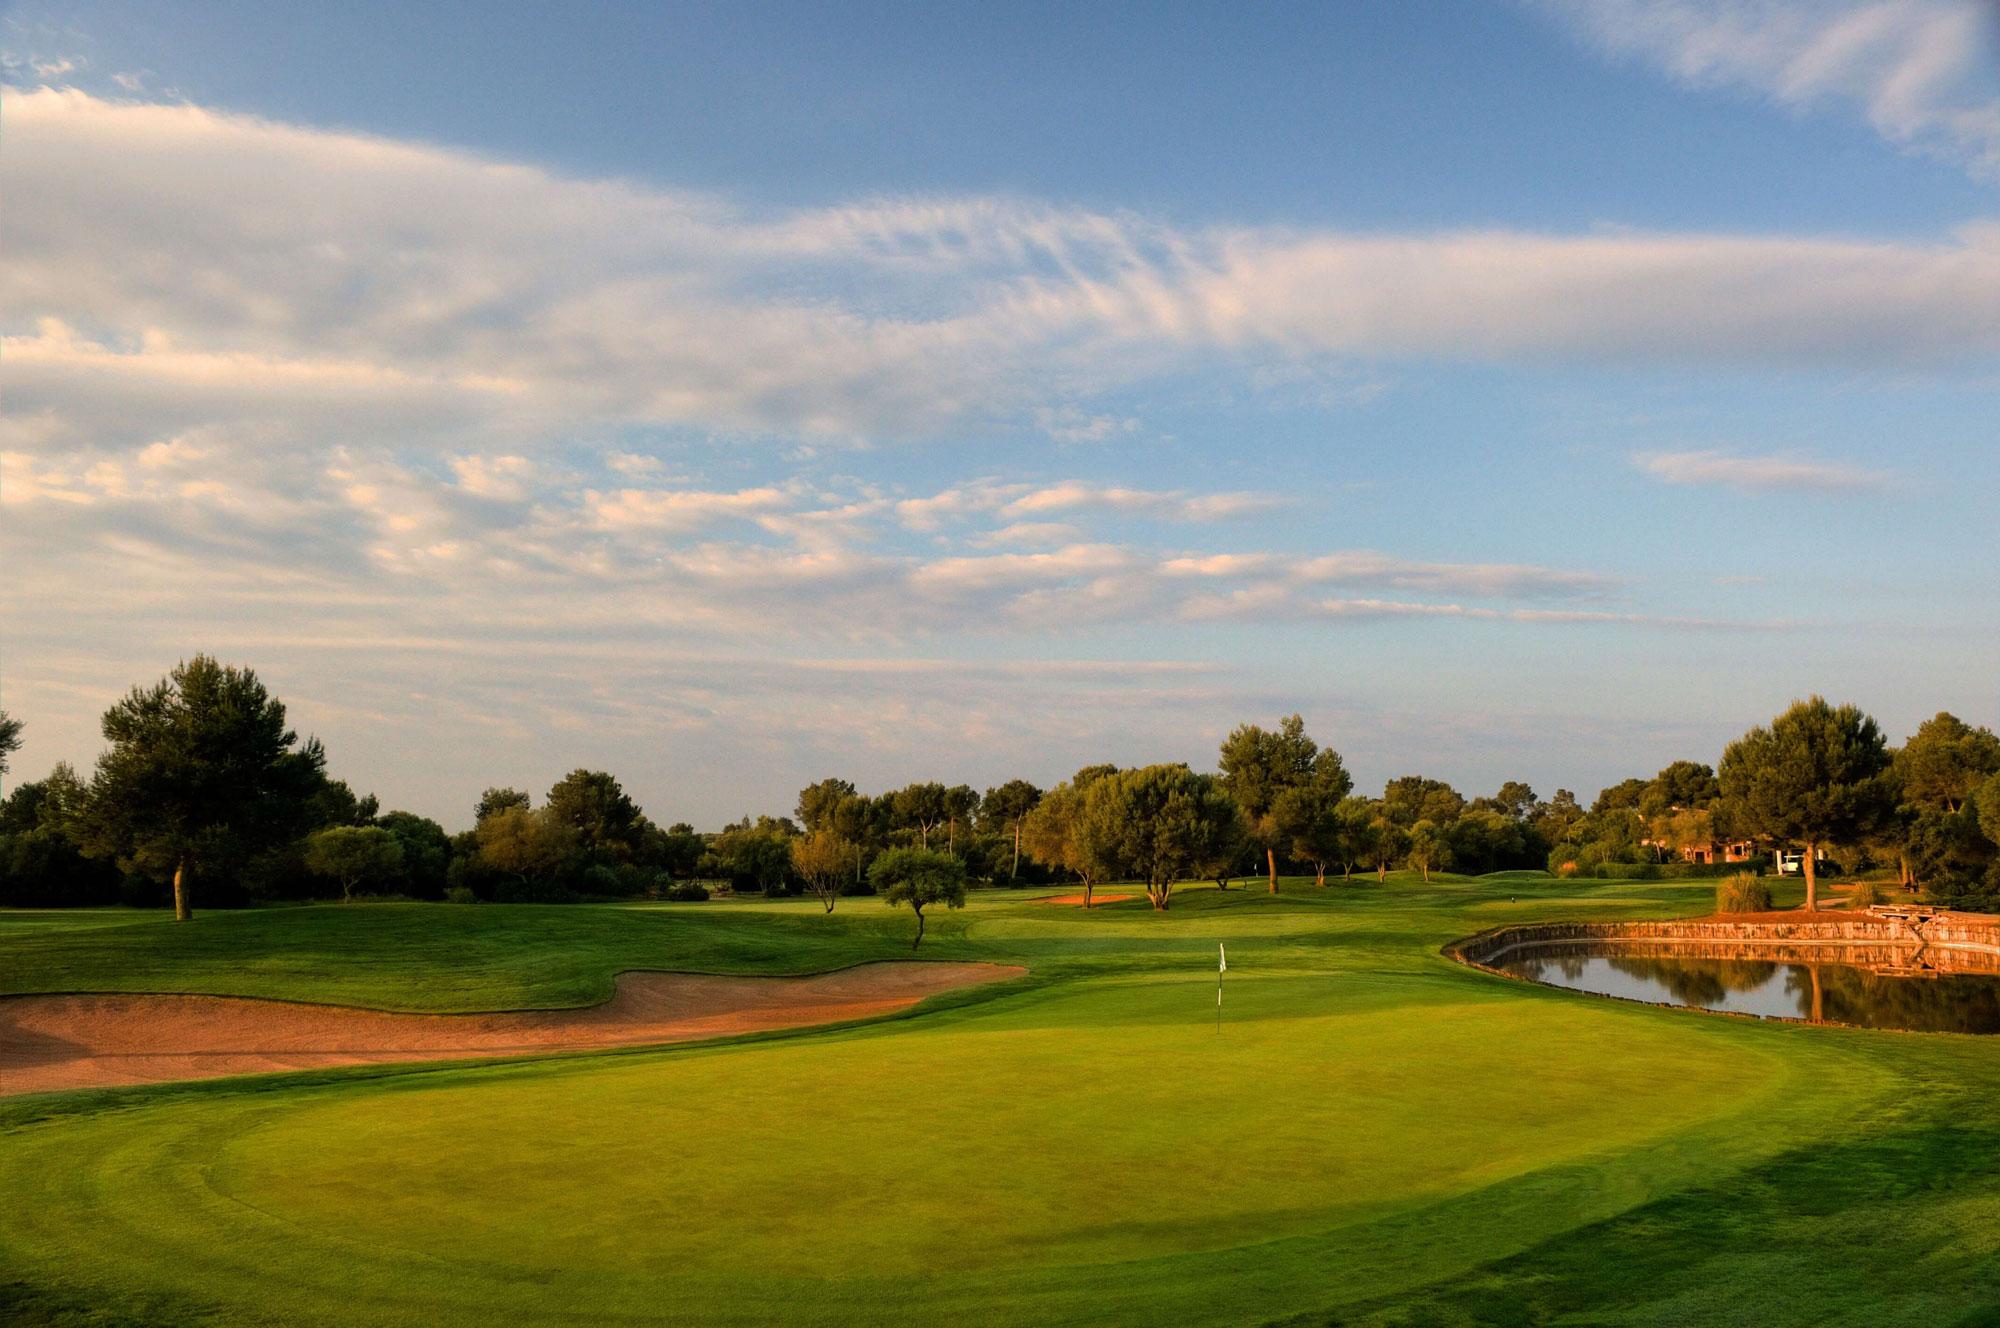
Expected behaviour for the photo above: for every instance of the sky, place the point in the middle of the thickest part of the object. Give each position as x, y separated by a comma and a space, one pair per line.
730, 396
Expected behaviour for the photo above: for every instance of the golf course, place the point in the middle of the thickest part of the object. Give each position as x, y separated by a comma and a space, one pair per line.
1369, 1133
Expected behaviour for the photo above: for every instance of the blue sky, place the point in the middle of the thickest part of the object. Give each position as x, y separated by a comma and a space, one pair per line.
730, 396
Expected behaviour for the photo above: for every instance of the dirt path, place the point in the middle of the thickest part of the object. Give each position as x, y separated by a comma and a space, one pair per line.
48, 1043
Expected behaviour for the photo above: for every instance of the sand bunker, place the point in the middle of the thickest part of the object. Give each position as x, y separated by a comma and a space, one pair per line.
49, 1043
1076, 901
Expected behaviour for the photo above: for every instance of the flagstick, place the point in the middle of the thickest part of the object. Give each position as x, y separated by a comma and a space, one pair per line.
1222, 966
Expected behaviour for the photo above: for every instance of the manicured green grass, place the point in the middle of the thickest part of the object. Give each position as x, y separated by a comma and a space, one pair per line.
1373, 1135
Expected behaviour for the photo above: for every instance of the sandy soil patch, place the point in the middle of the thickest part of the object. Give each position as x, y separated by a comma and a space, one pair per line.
49, 1043
1076, 901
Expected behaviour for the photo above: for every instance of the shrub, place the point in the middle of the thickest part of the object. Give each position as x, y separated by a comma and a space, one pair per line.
686, 892
460, 894
1867, 894
1742, 893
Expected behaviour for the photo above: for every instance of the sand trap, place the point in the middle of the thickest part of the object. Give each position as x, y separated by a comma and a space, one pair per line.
49, 1043
1076, 901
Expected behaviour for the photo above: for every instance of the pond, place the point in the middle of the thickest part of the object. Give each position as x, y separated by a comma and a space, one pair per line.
1818, 987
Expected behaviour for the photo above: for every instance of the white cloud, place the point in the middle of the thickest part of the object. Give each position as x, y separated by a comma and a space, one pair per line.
1067, 424
1072, 495
678, 509
1020, 571
1793, 474
1504, 580
1028, 532
634, 464
503, 478
168, 261
1920, 72
978, 496
1390, 609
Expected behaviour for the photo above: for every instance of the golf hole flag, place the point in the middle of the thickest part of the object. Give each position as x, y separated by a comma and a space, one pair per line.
1222, 966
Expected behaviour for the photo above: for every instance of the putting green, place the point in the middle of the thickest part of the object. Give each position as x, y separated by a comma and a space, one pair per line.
1371, 1127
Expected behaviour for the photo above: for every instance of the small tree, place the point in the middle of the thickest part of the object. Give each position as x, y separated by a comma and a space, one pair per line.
918, 877
922, 808
1684, 785
961, 803
1359, 828
1815, 777
1258, 765
527, 845
1412, 798
758, 853
354, 854
1305, 823
201, 774
1305, 816
607, 824
1515, 800
1389, 843
824, 861
1430, 846
820, 803
1005, 808
426, 852
1678, 831
1944, 761
1049, 833
1158, 825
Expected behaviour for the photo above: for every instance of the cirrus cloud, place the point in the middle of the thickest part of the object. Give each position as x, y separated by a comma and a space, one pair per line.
1760, 473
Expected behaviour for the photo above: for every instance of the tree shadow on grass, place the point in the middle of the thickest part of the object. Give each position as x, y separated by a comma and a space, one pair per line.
1897, 1228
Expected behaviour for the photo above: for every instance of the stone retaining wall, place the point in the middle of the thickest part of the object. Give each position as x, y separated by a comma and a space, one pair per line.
1944, 942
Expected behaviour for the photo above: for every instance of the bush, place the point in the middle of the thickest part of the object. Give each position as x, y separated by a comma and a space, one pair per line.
1867, 894
686, 892
44, 869
1742, 893
460, 894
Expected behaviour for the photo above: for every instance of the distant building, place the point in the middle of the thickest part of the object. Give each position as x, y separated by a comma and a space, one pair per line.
1730, 850
1711, 851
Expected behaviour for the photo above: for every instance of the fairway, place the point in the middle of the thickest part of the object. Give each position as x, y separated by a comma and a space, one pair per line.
1370, 1134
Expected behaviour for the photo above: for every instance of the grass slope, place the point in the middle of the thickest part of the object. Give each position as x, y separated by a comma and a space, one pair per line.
1374, 1135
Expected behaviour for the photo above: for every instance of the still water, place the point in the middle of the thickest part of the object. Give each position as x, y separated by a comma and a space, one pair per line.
1791, 988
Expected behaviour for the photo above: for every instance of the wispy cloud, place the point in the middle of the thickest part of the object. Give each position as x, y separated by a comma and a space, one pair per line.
169, 262
1920, 72
1391, 609
1073, 495
1760, 473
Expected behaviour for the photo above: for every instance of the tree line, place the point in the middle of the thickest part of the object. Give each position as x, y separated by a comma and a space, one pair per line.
203, 786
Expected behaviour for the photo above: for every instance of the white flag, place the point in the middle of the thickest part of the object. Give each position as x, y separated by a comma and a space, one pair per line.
1224, 956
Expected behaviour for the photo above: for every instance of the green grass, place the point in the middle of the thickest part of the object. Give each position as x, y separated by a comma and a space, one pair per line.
1375, 1135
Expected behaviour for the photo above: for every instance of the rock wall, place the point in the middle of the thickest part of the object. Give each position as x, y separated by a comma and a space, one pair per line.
1941, 943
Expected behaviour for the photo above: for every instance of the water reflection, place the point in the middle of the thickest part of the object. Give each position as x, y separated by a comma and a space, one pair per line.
1898, 994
